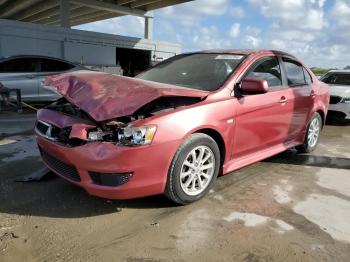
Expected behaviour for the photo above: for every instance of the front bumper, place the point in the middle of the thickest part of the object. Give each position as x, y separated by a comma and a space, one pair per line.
340, 110
147, 164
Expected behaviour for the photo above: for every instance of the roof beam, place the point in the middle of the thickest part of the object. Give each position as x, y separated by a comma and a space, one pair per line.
121, 10
77, 12
12, 7
91, 19
142, 3
35, 9
2, 2
123, 2
47, 14
161, 4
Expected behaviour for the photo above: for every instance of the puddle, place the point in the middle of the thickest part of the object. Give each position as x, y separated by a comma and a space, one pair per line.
331, 213
338, 180
253, 220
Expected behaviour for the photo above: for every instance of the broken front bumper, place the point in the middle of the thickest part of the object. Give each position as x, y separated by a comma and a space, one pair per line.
135, 172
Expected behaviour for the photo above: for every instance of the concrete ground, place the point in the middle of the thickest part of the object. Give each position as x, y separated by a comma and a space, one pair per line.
291, 207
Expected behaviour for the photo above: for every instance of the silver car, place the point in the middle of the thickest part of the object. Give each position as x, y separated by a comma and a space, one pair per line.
28, 72
339, 89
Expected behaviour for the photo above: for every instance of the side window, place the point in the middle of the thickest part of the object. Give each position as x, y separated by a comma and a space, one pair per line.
295, 72
19, 65
268, 69
308, 78
51, 65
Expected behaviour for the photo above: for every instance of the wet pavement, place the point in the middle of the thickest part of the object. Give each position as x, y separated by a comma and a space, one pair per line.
291, 207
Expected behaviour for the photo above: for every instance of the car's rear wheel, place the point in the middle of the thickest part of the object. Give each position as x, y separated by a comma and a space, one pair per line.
312, 135
194, 169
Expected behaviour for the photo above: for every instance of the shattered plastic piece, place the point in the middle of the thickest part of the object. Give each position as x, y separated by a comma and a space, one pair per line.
36, 176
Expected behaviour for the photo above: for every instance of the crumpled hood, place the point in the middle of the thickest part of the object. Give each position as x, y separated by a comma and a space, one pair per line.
104, 96
338, 90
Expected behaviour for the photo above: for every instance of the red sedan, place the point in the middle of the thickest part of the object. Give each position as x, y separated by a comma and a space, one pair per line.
175, 127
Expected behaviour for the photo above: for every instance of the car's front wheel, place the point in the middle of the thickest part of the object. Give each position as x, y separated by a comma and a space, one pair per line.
193, 170
312, 134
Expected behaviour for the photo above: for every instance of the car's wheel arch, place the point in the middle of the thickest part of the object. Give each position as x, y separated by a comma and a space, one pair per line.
214, 134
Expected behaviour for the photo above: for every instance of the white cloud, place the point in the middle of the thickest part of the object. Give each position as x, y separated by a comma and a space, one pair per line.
341, 12
237, 11
191, 13
235, 30
252, 41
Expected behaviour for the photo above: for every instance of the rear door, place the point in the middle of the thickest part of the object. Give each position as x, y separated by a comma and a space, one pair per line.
302, 96
21, 73
263, 120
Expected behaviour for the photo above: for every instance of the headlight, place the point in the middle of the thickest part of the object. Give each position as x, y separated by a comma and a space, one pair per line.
345, 100
132, 136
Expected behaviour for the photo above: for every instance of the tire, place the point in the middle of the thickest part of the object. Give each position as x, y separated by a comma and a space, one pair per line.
309, 145
180, 173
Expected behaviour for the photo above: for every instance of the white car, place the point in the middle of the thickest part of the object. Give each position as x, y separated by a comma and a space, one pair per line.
27, 72
339, 90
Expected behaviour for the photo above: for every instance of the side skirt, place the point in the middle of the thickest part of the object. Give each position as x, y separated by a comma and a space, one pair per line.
235, 164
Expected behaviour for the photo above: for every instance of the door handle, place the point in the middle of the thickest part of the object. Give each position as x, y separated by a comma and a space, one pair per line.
283, 100
312, 94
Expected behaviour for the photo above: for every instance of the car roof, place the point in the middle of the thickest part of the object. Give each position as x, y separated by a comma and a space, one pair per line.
36, 56
245, 51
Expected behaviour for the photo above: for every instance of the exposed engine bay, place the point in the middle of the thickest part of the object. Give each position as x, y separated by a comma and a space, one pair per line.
120, 130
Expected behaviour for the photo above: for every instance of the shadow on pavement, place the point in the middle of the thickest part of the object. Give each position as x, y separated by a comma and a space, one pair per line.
54, 197
293, 158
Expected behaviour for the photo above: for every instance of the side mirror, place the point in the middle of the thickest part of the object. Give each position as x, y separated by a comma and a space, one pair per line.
254, 85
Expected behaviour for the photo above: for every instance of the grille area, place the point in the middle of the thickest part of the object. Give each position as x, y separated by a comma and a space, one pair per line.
109, 179
60, 167
42, 127
335, 99
336, 114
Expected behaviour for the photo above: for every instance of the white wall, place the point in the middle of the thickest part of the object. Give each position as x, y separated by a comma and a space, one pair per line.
91, 48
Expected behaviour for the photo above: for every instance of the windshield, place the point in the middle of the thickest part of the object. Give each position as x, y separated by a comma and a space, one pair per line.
199, 71
337, 79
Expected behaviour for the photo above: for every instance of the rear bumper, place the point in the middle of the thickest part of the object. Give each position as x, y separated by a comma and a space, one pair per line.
147, 164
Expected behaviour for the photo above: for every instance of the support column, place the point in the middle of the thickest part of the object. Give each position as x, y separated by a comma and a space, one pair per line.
148, 27
65, 13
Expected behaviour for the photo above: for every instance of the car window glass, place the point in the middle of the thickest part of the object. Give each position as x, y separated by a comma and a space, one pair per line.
19, 65
203, 71
269, 70
337, 79
295, 73
51, 65
308, 78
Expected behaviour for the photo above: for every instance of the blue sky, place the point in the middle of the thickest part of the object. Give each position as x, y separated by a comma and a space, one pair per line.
316, 31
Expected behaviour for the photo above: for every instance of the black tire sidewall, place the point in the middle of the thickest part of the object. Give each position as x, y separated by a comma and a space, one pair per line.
195, 140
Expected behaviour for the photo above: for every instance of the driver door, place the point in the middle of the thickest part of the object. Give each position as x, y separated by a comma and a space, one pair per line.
263, 120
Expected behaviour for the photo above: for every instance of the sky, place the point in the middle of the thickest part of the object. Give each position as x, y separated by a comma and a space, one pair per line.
316, 31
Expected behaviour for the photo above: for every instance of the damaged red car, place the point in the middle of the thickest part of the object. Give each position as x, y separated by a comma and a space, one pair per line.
175, 127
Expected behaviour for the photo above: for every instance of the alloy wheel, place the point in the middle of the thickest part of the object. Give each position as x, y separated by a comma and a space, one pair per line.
197, 170
314, 132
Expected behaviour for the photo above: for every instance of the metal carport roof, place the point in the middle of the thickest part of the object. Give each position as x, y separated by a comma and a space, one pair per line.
76, 12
